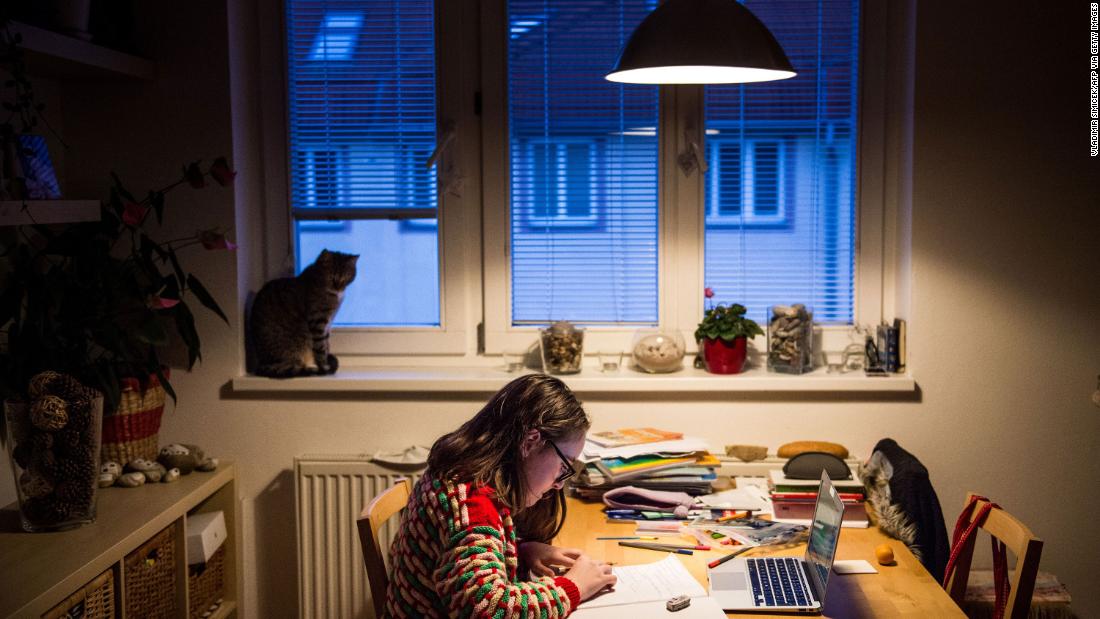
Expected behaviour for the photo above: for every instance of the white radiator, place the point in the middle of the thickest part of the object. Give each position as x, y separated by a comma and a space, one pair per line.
330, 492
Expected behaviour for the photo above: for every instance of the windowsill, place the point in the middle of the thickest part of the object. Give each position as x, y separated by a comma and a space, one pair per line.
488, 380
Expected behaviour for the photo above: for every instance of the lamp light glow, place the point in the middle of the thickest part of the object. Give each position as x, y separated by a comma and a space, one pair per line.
701, 42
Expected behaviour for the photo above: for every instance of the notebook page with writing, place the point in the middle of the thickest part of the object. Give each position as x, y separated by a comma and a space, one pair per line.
650, 582
701, 608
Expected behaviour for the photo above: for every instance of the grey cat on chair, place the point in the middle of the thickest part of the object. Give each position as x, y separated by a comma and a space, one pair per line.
292, 317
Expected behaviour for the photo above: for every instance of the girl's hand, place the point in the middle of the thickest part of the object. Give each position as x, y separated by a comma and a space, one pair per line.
590, 576
542, 558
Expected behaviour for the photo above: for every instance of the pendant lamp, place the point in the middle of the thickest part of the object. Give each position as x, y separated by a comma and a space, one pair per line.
701, 42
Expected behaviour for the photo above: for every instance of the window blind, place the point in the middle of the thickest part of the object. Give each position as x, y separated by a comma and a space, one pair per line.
362, 114
583, 154
780, 191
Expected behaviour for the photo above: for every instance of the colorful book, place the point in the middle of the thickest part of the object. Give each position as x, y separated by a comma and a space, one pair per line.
619, 468
899, 324
632, 436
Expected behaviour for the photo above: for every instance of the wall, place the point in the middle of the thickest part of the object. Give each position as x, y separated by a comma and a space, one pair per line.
1004, 296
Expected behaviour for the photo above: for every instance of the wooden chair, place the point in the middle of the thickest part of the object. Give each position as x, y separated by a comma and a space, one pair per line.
375, 514
1017, 538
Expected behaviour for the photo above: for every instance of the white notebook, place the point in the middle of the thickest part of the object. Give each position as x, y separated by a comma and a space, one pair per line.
650, 582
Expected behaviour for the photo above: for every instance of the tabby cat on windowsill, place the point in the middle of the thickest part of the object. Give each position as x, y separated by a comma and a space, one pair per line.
292, 317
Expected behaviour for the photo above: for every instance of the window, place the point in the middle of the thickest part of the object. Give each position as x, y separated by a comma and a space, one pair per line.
583, 191
745, 183
780, 224
362, 101
558, 195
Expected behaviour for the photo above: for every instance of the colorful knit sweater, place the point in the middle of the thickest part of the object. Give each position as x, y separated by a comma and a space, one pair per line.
455, 556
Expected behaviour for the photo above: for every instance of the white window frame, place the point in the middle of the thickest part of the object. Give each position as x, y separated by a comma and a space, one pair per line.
467, 241
459, 195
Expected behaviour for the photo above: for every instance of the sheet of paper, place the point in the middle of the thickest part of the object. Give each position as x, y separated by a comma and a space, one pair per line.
688, 444
853, 566
736, 498
701, 608
650, 582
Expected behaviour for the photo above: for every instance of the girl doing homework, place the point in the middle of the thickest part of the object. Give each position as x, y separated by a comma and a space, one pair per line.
480, 519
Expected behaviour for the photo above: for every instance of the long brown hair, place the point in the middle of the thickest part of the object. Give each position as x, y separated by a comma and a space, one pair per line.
486, 449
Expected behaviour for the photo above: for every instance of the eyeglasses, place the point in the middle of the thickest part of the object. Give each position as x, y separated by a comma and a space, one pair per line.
567, 465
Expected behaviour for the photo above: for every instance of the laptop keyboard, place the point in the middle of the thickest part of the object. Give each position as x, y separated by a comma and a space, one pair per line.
777, 581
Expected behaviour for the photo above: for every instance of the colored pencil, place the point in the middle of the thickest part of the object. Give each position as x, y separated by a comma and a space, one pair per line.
658, 547
653, 537
717, 562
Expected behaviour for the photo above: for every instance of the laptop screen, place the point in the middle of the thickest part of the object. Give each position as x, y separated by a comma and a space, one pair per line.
824, 534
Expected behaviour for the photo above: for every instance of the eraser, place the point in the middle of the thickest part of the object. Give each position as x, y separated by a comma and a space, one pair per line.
679, 602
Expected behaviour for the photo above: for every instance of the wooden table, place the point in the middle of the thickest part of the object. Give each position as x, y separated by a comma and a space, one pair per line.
905, 589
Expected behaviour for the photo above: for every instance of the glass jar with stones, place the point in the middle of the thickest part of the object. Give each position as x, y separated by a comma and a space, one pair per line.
658, 351
562, 348
790, 339
53, 439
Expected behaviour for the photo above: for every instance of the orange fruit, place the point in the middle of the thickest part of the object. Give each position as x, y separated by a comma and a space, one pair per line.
884, 554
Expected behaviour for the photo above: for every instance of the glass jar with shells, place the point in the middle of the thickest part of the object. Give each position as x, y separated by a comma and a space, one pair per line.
562, 348
790, 339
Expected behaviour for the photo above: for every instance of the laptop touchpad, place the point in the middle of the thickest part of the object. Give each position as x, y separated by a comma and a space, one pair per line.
728, 581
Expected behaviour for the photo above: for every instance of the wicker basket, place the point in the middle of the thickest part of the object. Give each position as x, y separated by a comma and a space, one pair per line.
206, 583
131, 431
95, 600
150, 577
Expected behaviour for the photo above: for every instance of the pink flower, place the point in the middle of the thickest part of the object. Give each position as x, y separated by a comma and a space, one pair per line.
213, 239
221, 172
708, 293
133, 213
161, 303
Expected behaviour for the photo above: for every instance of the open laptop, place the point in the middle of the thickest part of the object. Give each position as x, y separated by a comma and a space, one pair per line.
785, 584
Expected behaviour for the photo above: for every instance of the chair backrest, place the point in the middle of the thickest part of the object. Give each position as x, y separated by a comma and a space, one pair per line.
1017, 538
380, 509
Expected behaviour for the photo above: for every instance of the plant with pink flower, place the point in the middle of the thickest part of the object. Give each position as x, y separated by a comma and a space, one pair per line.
101, 300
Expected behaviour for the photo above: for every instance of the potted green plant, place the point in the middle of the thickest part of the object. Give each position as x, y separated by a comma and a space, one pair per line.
722, 336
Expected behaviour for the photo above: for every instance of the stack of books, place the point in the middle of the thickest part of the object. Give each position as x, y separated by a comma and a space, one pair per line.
794, 499
645, 458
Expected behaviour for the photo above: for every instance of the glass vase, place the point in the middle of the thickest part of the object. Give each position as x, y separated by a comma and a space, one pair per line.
53, 448
658, 351
790, 339
562, 348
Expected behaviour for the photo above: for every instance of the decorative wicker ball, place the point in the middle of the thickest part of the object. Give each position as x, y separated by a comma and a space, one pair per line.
49, 413
34, 486
40, 383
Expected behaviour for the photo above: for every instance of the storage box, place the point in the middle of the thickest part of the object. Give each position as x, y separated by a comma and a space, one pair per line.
150, 577
206, 585
95, 600
205, 534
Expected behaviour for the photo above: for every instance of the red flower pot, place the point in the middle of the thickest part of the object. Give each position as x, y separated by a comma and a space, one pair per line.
722, 357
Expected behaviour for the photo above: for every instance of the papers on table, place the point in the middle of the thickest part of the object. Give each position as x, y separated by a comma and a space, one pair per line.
686, 445
701, 608
650, 582
736, 498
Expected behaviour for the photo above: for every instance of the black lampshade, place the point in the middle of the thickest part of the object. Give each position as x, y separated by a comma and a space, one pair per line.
701, 42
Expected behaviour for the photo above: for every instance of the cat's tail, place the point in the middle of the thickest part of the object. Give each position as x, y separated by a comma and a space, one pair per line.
287, 369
